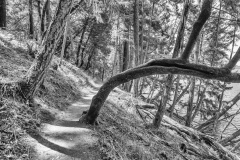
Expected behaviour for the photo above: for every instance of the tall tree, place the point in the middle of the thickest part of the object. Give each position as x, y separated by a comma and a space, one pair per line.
31, 24
85, 24
3, 14
136, 41
46, 16
39, 67
178, 44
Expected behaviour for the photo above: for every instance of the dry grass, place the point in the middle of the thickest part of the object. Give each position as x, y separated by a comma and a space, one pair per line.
15, 118
124, 137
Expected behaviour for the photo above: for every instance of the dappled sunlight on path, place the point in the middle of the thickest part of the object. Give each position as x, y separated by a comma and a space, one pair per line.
65, 138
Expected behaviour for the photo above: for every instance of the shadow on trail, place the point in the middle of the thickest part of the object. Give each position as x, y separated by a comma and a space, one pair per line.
66, 123
81, 151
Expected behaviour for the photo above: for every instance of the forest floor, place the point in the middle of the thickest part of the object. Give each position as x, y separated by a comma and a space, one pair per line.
51, 130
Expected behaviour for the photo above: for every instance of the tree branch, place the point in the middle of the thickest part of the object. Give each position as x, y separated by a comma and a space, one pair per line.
232, 63
166, 66
76, 6
197, 27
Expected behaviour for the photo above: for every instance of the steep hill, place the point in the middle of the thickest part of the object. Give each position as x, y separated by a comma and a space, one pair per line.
50, 130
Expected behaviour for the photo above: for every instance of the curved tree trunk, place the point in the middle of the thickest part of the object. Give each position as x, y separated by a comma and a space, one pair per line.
165, 66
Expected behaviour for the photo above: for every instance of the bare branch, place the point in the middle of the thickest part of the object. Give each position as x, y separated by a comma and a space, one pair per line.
197, 27
232, 63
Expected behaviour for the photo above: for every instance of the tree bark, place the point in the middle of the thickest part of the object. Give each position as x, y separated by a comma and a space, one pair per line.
64, 40
136, 41
190, 103
197, 27
48, 13
42, 23
202, 96
228, 139
31, 25
39, 67
83, 50
3, 14
81, 41
162, 106
149, 31
125, 56
166, 66
94, 50
116, 49
39, 8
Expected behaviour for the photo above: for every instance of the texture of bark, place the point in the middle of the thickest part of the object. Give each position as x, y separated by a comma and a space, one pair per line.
81, 41
197, 27
3, 14
162, 106
136, 41
39, 67
43, 15
65, 35
84, 48
125, 55
190, 103
166, 66
31, 25
228, 139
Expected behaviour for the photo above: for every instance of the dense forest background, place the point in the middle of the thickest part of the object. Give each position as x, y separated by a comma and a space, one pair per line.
178, 56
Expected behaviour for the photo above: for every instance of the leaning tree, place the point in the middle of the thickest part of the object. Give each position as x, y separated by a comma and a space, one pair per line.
27, 87
167, 66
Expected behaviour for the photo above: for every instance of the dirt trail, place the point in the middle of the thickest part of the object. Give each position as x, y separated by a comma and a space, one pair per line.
64, 139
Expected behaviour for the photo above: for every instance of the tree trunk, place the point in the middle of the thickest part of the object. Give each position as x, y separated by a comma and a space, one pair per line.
162, 106
116, 49
94, 50
39, 67
48, 13
228, 139
165, 66
198, 106
64, 40
39, 9
171, 109
136, 41
190, 103
42, 23
178, 44
31, 25
189, 118
83, 50
141, 56
149, 31
80, 42
125, 56
3, 14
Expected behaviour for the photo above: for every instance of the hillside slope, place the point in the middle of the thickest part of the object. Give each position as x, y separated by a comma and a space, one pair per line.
121, 133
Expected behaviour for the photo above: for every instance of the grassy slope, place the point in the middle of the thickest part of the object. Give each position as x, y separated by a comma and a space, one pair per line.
121, 133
